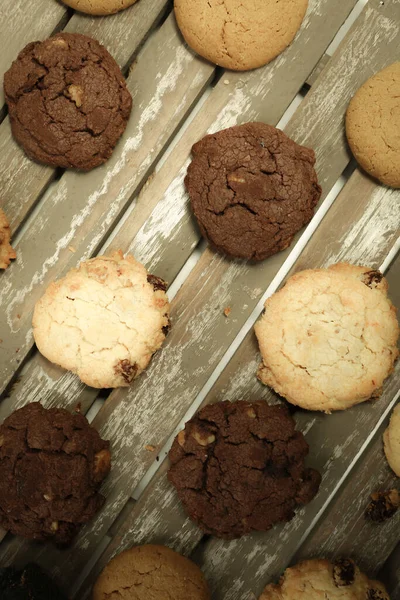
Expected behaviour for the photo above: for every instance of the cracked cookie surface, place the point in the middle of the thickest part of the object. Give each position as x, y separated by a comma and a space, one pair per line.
52, 464
373, 126
239, 35
68, 101
7, 253
323, 580
391, 439
99, 7
239, 467
103, 321
251, 189
151, 573
328, 338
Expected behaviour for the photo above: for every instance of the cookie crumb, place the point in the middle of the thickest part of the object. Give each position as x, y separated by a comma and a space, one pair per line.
227, 311
383, 506
71, 249
150, 448
226, 81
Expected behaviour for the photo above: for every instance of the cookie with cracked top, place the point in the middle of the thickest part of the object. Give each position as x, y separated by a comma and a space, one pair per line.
328, 338
251, 189
239, 35
68, 101
239, 467
30, 583
151, 571
52, 464
103, 321
318, 579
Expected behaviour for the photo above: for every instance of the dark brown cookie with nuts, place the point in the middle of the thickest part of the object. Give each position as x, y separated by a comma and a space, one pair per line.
252, 189
68, 101
239, 467
52, 464
30, 583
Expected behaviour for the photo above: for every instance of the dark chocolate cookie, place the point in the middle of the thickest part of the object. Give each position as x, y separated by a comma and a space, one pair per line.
252, 189
52, 464
30, 583
239, 467
68, 101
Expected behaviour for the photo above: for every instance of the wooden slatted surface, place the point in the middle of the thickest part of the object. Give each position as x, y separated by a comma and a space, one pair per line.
68, 216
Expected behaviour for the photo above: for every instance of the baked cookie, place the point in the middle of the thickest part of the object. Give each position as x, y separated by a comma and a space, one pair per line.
328, 338
52, 464
30, 583
103, 321
383, 506
322, 580
391, 440
237, 35
252, 189
155, 572
99, 7
68, 101
373, 126
7, 253
239, 467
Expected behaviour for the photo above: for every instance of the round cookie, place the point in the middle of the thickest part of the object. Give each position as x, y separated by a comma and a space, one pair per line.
151, 572
239, 467
251, 189
391, 439
322, 580
52, 464
373, 126
238, 35
103, 321
7, 253
328, 338
99, 7
68, 101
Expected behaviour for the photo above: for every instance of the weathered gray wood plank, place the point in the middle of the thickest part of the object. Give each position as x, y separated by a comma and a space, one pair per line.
369, 223
115, 506
84, 206
22, 181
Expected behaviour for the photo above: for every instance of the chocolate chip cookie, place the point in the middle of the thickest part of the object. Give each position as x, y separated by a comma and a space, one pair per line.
391, 440
52, 464
103, 321
251, 189
68, 101
239, 467
151, 573
317, 579
30, 583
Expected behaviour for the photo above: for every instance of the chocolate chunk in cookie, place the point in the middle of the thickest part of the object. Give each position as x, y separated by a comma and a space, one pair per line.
30, 583
383, 506
344, 572
52, 464
239, 467
68, 101
252, 189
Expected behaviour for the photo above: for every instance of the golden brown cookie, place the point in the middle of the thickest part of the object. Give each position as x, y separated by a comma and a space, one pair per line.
99, 7
328, 338
322, 580
391, 439
7, 253
373, 125
103, 321
238, 35
155, 572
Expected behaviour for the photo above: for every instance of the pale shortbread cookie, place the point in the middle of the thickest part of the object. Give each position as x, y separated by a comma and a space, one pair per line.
103, 321
328, 338
151, 573
7, 253
99, 7
239, 35
373, 125
391, 439
323, 580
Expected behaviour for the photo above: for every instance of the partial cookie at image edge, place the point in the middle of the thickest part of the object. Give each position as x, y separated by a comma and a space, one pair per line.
391, 440
7, 252
99, 7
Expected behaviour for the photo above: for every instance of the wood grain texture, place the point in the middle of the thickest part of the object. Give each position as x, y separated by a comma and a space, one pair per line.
22, 180
83, 207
